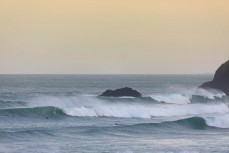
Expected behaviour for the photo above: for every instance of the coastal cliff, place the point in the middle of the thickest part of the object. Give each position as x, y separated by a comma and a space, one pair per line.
221, 79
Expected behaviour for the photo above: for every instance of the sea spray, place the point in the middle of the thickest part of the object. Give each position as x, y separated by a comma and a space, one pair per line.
184, 96
96, 107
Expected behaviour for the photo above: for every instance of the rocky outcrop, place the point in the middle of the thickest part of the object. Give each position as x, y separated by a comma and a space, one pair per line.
121, 93
221, 79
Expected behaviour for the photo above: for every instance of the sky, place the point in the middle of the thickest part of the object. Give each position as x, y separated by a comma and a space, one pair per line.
113, 36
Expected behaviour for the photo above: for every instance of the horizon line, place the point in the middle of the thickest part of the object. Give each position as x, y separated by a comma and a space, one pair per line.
106, 74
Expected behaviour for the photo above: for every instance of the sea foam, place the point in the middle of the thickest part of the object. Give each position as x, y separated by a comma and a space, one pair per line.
220, 121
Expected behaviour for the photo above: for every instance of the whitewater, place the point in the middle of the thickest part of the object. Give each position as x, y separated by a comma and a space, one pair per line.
63, 113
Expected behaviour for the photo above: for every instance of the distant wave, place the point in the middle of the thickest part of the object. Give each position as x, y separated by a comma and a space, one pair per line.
181, 96
185, 96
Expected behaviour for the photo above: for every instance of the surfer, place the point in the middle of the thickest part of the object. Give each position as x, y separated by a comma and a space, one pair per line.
118, 123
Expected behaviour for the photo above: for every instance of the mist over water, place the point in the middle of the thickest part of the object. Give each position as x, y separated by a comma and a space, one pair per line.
66, 112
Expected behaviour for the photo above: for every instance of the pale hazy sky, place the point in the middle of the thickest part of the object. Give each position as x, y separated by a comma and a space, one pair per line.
113, 36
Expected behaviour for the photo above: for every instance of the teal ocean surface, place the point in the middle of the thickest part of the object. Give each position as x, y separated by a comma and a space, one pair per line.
64, 114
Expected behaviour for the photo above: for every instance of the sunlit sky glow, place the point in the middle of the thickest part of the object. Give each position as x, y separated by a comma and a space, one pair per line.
113, 36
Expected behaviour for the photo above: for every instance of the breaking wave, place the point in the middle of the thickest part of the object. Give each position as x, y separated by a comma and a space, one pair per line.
219, 121
187, 96
214, 114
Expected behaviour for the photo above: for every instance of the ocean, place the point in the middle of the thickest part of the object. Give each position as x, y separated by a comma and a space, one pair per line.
64, 114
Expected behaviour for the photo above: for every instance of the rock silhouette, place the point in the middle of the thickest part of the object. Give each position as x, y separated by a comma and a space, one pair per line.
122, 92
221, 79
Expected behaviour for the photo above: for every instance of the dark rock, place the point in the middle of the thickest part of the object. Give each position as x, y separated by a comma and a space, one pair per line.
121, 93
221, 79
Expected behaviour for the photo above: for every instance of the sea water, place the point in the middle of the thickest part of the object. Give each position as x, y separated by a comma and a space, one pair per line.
64, 114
